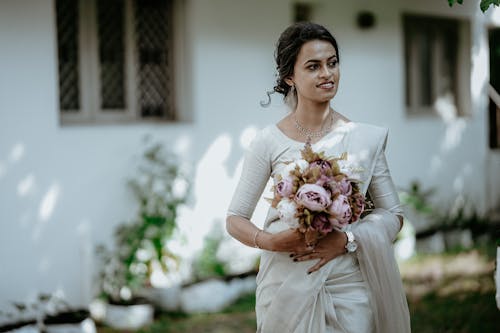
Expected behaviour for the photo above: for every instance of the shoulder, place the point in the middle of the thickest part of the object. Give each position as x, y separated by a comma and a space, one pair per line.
373, 132
370, 131
370, 135
263, 141
264, 136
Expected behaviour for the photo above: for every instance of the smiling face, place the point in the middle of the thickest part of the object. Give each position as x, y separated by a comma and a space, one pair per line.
316, 72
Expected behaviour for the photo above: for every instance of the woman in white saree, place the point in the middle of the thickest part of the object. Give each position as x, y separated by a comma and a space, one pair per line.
348, 281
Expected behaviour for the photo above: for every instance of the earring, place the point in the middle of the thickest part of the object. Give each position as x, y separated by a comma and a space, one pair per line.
291, 98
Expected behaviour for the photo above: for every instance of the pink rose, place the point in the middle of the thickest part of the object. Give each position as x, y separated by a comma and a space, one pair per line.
313, 197
340, 210
324, 181
322, 165
358, 206
285, 187
322, 224
344, 185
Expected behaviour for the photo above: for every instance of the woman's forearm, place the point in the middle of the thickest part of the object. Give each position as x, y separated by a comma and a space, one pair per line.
248, 233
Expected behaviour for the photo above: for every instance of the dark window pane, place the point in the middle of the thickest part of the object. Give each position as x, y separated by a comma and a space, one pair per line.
435, 46
153, 40
67, 43
111, 26
424, 47
494, 109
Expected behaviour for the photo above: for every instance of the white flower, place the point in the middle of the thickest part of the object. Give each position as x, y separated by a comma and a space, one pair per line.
349, 169
125, 293
179, 188
143, 255
302, 164
287, 209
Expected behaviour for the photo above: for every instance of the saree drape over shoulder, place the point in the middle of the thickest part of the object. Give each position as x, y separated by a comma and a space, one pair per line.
358, 293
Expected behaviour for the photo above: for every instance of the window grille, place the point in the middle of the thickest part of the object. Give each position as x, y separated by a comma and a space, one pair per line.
115, 60
154, 68
111, 28
67, 36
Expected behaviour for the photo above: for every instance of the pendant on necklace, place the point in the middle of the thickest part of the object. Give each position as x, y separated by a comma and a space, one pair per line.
308, 141
309, 134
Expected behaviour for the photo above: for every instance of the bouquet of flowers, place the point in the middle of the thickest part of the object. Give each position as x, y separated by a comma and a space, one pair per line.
317, 194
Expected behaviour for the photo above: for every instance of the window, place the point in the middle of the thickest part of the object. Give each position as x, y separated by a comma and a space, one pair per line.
115, 60
437, 56
302, 12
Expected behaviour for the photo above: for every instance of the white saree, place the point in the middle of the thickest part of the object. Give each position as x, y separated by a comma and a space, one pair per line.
354, 293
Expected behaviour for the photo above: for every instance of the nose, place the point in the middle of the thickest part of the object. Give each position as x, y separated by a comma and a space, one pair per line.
325, 71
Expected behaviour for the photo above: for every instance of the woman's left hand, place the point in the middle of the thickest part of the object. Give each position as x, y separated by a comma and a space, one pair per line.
329, 247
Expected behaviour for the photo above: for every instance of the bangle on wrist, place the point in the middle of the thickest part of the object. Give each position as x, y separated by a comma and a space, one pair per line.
255, 239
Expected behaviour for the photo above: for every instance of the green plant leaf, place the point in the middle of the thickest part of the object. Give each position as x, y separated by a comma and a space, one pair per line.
485, 4
452, 2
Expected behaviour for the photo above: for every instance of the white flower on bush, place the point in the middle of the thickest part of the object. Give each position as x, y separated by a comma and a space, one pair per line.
180, 188
286, 210
125, 293
143, 255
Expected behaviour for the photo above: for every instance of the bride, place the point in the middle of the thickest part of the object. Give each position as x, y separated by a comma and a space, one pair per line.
349, 280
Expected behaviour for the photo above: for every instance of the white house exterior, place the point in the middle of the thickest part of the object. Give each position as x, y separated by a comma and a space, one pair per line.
62, 186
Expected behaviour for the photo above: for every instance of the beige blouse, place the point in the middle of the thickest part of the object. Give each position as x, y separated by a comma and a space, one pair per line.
287, 300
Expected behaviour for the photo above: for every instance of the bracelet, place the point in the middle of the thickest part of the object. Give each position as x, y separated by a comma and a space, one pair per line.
255, 239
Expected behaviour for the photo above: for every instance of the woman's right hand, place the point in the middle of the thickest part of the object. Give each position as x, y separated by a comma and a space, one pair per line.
290, 240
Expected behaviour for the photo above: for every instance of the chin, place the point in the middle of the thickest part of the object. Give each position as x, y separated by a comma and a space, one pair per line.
326, 98
327, 95
321, 98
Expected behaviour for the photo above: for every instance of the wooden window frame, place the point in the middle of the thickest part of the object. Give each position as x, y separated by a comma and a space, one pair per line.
413, 74
90, 111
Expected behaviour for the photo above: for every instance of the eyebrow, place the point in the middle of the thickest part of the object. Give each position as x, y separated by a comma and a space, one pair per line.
316, 60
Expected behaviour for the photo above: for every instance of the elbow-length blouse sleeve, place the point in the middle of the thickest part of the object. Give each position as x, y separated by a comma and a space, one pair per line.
382, 189
254, 176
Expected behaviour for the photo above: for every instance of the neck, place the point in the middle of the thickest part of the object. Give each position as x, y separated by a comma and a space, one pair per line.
312, 115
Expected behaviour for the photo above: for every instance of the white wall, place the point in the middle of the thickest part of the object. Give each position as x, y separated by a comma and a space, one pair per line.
450, 154
62, 189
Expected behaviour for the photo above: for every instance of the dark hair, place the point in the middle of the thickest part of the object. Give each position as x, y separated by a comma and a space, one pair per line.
289, 45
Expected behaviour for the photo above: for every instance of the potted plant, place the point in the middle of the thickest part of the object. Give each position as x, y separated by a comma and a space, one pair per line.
142, 246
48, 314
60, 317
20, 321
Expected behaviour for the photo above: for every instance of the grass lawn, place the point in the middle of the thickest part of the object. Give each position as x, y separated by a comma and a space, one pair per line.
448, 293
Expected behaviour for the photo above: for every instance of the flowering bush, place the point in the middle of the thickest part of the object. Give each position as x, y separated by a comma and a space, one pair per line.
142, 246
317, 194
